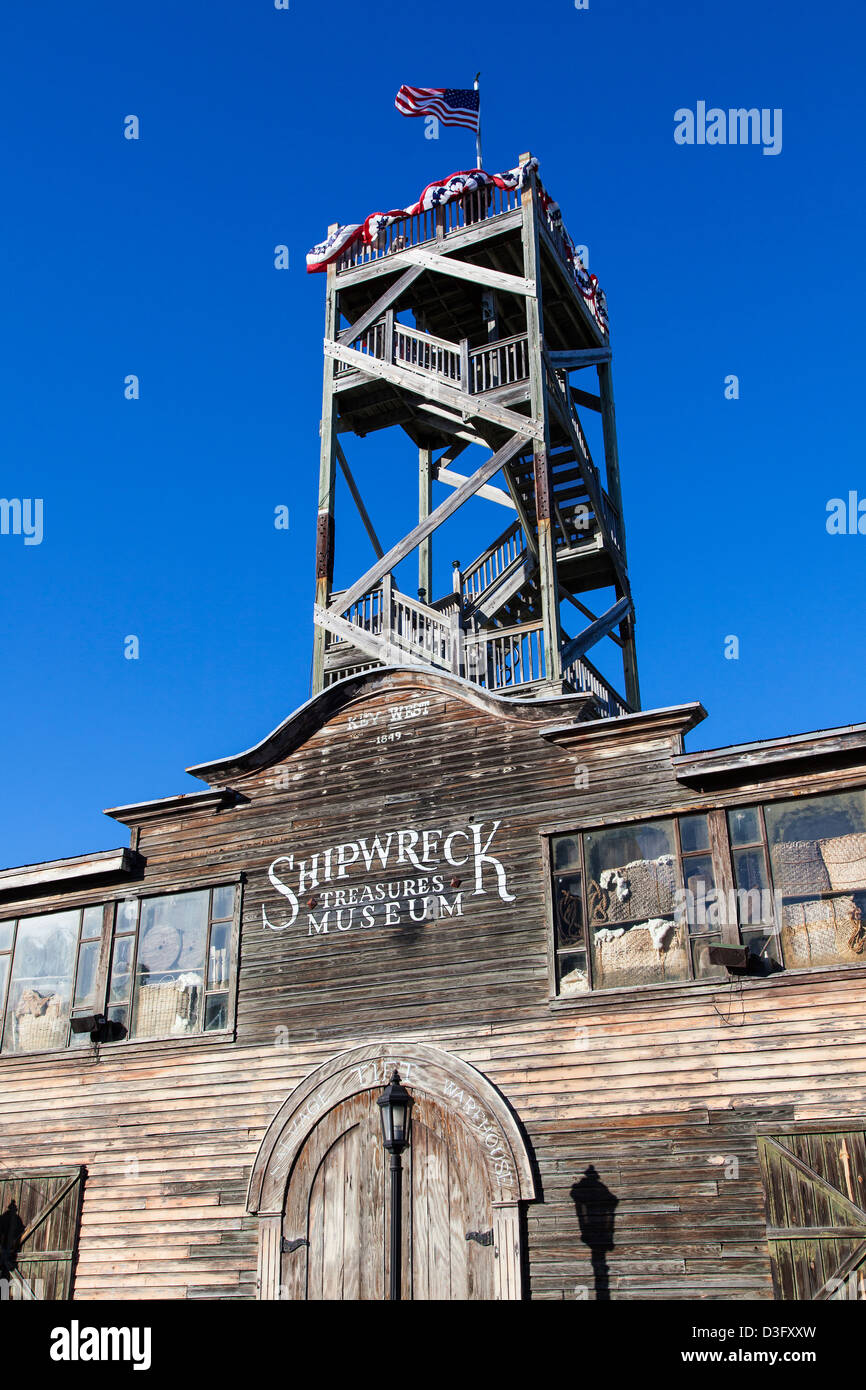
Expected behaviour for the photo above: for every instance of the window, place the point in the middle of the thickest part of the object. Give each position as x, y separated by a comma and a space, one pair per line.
47, 967
812, 853
155, 966
645, 903
615, 906
170, 964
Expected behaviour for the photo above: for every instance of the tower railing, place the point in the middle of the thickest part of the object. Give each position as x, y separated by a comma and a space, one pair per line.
493, 561
474, 370
432, 223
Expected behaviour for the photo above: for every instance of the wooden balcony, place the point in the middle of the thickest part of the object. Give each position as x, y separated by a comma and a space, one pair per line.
484, 228
390, 628
458, 215
474, 370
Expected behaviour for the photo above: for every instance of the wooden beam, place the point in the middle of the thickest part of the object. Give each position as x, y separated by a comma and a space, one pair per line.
359, 503
493, 494
587, 612
449, 425
429, 525
465, 270
611, 469
584, 357
427, 386
327, 479
384, 302
586, 398
539, 396
594, 633
425, 507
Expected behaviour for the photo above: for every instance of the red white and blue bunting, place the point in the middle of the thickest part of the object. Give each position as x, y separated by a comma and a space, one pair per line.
442, 191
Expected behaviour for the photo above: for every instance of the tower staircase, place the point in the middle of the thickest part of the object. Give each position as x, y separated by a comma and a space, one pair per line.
501, 324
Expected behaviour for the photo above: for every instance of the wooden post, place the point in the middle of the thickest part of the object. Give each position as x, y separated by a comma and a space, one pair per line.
457, 644
387, 607
425, 506
327, 462
465, 382
541, 450
611, 468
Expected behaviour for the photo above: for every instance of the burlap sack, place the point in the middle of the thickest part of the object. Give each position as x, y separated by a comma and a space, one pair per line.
631, 958
650, 891
799, 868
845, 860
167, 1008
823, 933
34, 1032
573, 982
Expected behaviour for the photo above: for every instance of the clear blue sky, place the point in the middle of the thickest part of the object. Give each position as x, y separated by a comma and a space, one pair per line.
155, 257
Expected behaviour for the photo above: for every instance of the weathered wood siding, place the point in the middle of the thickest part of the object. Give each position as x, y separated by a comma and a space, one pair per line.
659, 1090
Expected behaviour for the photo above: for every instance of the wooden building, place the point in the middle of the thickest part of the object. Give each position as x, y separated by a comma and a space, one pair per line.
622, 982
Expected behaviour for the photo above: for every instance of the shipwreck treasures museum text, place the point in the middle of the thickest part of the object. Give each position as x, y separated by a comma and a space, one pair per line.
620, 983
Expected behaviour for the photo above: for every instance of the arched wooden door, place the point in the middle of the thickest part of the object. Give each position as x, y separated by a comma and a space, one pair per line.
336, 1227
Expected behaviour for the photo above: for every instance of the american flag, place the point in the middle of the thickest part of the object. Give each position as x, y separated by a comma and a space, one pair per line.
452, 106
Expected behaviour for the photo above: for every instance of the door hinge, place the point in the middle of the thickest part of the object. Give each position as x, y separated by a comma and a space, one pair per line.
287, 1247
482, 1237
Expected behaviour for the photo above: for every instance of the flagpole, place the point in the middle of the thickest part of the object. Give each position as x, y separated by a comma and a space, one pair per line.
478, 163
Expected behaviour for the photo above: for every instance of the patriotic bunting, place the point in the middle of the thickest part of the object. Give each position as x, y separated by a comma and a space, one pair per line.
442, 191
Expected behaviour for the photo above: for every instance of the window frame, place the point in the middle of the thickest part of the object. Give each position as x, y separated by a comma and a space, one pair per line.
722, 852
109, 902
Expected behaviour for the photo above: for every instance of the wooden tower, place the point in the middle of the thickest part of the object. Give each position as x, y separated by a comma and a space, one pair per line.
504, 318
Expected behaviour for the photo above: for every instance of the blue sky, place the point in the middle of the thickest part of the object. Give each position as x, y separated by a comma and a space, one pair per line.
155, 257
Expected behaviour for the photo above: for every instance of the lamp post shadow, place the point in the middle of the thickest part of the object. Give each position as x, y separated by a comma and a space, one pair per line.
595, 1205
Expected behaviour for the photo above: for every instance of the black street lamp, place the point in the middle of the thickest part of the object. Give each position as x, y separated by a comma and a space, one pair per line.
395, 1108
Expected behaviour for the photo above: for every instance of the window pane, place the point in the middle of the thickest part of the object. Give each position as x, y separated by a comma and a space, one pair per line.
750, 870
117, 1018
171, 965
566, 853
85, 981
630, 872
4, 971
91, 923
568, 911
6, 931
755, 905
698, 874
224, 901
818, 843
744, 826
828, 932
571, 969
218, 964
818, 849
121, 967
126, 915
764, 946
694, 833
704, 968
649, 953
216, 1012
41, 986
